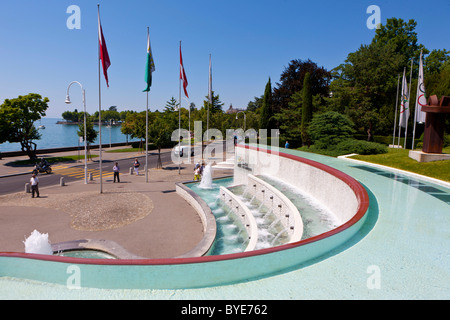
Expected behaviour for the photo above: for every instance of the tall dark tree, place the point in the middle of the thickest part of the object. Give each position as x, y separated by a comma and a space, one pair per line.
291, 81
266, 109
306, 109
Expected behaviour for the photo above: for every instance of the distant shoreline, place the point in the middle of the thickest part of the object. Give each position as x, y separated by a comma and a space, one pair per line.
77, 123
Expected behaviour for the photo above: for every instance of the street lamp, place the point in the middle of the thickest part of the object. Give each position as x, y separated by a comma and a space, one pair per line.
245, 120
85, 141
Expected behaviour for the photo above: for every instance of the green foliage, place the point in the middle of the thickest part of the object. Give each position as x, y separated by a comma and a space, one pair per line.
403, 36
349, 146
91, 133
330, 128
291, 81
17, 121
266, 109
306, 108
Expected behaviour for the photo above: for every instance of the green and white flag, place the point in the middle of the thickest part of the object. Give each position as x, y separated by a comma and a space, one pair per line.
150, 67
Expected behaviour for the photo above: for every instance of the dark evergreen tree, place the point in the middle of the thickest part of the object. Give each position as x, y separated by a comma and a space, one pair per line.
306, 109
266, 109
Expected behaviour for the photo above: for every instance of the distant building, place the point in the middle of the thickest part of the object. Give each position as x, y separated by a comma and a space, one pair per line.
233, 110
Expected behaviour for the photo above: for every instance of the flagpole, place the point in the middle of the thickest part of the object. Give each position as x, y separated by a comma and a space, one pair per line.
401, 115
416, 110
409, 107
146, 129
396, 106
100, 109
209, 98
179, 117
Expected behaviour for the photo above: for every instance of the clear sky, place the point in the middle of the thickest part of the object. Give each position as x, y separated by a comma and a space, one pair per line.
249, 41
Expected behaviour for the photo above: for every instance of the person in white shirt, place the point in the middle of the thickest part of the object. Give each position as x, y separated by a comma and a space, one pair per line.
116, 170
34, 181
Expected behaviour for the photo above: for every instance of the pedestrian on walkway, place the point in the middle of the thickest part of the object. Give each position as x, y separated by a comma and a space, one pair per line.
116, 170
136, 166
34, 181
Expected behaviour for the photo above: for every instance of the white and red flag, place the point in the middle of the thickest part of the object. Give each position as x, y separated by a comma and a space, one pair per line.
103, 51
183, 75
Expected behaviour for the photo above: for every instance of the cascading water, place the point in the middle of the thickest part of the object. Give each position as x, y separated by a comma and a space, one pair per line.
38, 243
206, 182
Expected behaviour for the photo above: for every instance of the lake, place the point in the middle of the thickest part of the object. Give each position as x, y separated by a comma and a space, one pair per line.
64, 135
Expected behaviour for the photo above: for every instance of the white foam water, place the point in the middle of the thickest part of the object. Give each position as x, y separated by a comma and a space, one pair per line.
38, 243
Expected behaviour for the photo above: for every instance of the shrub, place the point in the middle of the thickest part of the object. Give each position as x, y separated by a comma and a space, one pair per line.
330, 128
360, 147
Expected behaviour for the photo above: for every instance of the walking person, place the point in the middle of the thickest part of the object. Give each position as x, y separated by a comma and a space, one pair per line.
136, 166
116, 170
34, 181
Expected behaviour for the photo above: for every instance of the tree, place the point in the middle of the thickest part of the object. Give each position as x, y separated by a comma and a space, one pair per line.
91, 133
18, 116
160, 135
216, 105
171, 105
256, 104
306, 109
365, 87
291, 81
266, 108
402, 36
328, 129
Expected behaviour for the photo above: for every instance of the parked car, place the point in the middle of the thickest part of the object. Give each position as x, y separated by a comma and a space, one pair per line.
183, 150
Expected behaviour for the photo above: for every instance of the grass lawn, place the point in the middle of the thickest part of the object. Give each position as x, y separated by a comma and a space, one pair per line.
399, 159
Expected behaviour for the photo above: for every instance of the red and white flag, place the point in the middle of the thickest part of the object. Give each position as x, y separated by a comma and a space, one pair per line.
183, 75
103, 51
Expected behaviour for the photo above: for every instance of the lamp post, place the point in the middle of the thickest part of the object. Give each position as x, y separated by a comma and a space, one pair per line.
245, 120
85, 141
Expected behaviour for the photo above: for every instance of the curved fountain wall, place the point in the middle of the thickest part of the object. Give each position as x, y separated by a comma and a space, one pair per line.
284, 209
204, 271
243, 213
318, 181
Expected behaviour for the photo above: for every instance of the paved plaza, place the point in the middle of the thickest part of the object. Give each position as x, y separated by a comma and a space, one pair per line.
148, 219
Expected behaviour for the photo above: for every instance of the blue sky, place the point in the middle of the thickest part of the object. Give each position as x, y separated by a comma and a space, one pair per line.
249, 40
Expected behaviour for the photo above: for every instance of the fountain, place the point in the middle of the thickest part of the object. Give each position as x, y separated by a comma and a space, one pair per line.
38, 243
206, 182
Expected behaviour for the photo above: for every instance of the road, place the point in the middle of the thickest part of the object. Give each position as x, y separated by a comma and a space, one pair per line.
70, 173
12, 184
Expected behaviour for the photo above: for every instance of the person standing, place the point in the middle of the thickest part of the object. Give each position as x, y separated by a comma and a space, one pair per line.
136, 166
116, 170
34, 181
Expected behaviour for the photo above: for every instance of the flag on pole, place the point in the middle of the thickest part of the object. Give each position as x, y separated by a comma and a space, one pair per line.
150, 67
404, 107
183, 75
421, 99
103, 51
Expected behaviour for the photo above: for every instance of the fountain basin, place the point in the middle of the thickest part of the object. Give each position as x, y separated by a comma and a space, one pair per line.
205, 271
